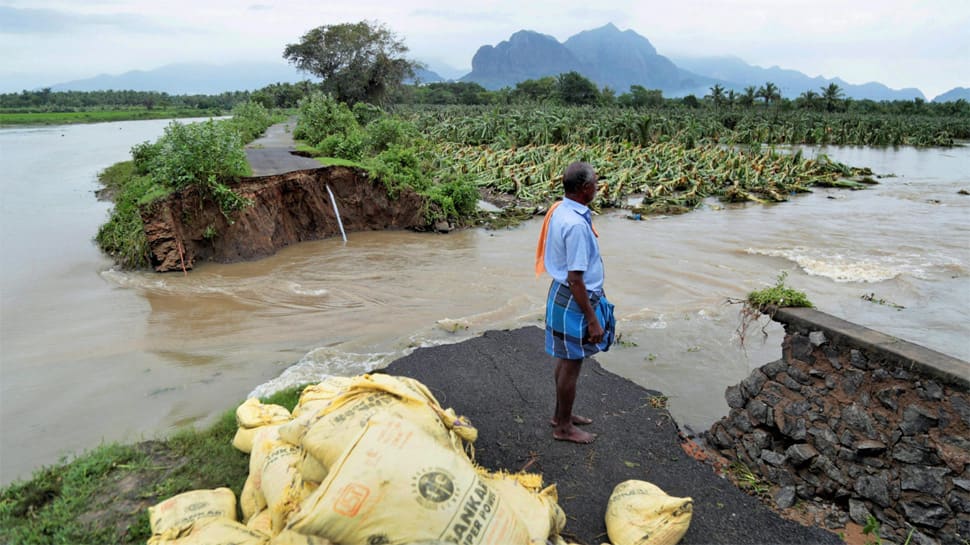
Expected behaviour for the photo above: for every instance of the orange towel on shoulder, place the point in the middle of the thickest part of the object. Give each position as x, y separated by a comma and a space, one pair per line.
543, 234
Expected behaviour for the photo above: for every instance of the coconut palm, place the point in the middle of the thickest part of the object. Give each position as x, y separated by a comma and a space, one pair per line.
769, 91
717, 95
747, 99
832, 95
808, 99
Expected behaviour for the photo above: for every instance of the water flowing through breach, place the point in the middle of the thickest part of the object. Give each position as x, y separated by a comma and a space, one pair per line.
174, 349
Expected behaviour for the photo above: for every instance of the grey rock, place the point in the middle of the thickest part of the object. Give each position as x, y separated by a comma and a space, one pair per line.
773, 368
801, 453
858, 512
959, 501
753, 383
798, 408
926, 513
817, 338
785, 497
758, 412
741, 421
875, 488
889, 396
931, 391
774, 458
734, 396
801, 348
881, 375
805, 491
962, 405
824, 440
832, 354
443, 227
795, 428
789, 382
902, 374
909, 451
962, 483
917, 419
873, 461
869, 447
858, 360
761, 438
823, 464
800, 376
852, 381
830, 382
847, 439
856, 418
836, 519
919, 538
928, 480
753, 450
722, 439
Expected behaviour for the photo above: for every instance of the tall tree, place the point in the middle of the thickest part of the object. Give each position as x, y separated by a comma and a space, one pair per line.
769, 91
747, 99
716, 95
832, 95
807, 100
573, 88
358, 62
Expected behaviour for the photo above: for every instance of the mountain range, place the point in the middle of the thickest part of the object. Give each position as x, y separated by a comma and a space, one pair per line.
606, 55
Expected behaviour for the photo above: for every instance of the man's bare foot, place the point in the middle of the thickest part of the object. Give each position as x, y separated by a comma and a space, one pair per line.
577, 421
574, 435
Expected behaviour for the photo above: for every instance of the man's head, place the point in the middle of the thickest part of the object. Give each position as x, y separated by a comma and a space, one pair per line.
579, 182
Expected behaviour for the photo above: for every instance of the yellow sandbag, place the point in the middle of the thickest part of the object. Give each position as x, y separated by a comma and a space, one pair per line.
339, 424
321, 394
251, 499
262, 522
540, 512
254, 414
281, 485
289, 537
640, 513
311, 469
395, 484
180, 512
217, 531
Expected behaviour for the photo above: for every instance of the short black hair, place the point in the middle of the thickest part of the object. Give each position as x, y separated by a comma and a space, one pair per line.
576, 176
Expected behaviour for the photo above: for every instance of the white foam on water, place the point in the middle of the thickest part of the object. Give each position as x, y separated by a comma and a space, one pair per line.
859, 267
321, 363
299, 289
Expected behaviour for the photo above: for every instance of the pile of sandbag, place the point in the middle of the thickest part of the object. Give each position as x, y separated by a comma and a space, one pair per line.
363, 460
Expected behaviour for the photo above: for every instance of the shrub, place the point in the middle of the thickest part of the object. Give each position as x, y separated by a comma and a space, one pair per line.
386, 132
322, 116
193, 154
366, 112
250, 119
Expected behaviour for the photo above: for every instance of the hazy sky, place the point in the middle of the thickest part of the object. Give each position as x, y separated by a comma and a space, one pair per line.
923, 44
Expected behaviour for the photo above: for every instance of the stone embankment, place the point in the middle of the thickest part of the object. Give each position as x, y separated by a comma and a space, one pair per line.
877, 426
185, 229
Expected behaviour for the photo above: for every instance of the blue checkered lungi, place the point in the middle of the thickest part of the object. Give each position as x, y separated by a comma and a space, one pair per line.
566, 324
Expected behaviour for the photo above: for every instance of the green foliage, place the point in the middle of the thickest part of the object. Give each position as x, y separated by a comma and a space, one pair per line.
198, 154
778, 295
349, 145
358, 62
321, 116
574, 89
249, 120
365, 113
123, 235
385, 132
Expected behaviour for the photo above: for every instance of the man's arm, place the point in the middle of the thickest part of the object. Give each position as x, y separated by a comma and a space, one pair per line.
578, 288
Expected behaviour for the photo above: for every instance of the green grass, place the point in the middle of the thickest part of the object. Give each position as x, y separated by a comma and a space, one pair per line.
102, 495
779, 295
99, 116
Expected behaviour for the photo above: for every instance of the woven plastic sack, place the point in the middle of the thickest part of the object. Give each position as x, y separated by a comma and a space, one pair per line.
395, 484
335, 427
216, 531
539, 511
273, 467
253, 415
176, 514
316, 396
640, 513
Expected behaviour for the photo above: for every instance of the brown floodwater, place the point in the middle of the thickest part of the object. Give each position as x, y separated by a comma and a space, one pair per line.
89, 353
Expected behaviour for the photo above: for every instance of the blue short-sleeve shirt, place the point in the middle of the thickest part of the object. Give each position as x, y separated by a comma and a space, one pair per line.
572, 246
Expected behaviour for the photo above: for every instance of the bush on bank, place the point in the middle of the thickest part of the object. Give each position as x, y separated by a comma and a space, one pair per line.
101, 496
391, 150
207, 155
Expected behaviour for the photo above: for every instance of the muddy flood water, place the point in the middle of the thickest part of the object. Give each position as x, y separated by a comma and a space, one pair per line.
89, 353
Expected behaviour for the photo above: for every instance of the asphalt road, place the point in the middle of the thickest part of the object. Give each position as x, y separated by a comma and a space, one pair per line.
270, 153
503, 382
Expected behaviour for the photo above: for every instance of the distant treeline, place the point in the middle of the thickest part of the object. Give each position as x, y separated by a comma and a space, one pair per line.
569, 89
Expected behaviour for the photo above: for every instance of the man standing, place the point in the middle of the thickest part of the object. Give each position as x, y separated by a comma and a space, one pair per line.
579, 319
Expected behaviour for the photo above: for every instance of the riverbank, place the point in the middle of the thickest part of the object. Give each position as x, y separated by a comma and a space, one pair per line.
502, 381
10, 119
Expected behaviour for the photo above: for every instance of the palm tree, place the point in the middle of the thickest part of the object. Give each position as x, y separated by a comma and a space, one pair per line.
732, 97
832, 95
747, 99
717, 95
808, 99
769, 92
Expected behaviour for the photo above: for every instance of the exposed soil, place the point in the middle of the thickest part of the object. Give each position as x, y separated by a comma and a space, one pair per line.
185, 229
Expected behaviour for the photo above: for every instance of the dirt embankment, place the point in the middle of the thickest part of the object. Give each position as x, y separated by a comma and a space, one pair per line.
287, 208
